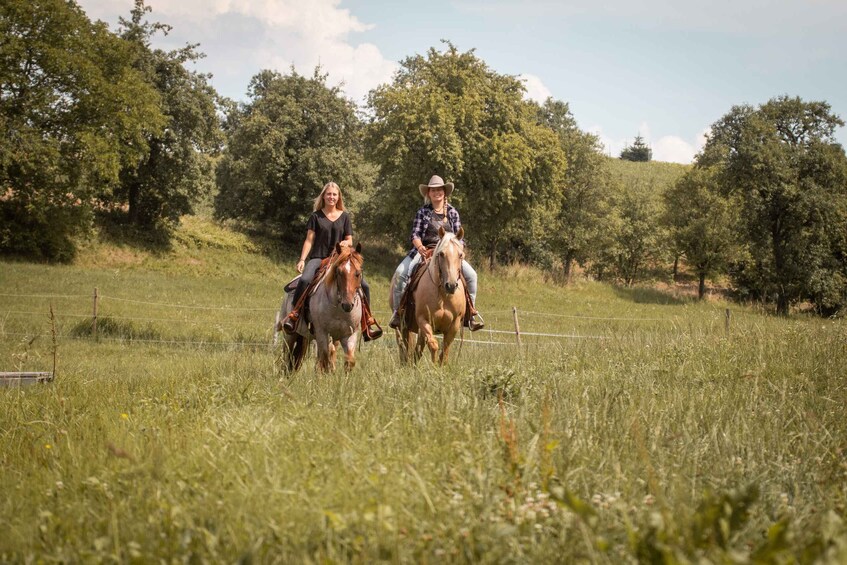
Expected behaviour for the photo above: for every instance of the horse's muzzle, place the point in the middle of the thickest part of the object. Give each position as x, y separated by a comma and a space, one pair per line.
451, 287
347, 306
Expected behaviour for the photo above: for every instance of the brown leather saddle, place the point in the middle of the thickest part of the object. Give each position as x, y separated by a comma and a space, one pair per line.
303, 303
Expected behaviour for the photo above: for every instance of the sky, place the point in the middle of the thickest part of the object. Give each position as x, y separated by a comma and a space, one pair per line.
662, 69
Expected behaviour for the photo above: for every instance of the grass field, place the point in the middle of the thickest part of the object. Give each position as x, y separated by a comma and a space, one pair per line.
641, 430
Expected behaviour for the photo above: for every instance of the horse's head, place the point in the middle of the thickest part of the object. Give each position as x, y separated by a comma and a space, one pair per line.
346, 274
447, 258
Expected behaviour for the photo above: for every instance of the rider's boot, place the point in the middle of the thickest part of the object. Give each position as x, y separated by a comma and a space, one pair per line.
290, 322
395, 321
475, 322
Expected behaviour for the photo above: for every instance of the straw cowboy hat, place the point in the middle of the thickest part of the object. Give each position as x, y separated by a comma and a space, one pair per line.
436, 182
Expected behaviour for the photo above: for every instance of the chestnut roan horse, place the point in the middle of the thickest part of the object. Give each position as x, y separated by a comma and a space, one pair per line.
335, 311
439, 301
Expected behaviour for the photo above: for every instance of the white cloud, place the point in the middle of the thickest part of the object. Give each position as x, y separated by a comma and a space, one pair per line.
245, 36
673, 149
535, 89
669, 148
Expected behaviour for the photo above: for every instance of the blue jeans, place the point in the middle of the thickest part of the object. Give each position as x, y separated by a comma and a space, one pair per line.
407, 265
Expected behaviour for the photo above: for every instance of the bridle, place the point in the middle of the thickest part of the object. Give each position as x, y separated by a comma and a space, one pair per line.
339, 289
439, 265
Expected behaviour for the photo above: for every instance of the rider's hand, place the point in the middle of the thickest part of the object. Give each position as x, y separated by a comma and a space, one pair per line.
300, 264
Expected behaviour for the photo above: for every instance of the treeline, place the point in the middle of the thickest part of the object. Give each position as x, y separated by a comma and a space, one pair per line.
100, 126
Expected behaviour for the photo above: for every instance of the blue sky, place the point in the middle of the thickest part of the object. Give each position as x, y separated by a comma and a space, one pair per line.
662, 68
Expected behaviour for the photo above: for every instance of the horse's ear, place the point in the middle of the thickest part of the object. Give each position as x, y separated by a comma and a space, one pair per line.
441, 232
461, 233
338, 248
359, 248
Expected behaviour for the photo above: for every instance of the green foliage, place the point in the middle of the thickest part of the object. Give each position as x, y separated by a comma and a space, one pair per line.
585, 198
177, 171
703, 224
789, 175
73, 112
294, 135
449, 114
631, 238
639, 151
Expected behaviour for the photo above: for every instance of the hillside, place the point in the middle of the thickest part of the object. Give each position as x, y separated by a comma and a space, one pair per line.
629, 422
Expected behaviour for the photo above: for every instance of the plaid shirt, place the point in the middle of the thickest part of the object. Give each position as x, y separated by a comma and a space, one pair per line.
422, 218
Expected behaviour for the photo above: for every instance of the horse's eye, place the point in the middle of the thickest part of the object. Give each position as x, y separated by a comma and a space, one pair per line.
358, 273
441, 254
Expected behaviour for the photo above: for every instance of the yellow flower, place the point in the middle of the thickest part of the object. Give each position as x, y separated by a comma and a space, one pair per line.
48, 446
124, 416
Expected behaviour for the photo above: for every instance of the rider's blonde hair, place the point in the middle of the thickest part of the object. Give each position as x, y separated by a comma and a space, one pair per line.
319, 201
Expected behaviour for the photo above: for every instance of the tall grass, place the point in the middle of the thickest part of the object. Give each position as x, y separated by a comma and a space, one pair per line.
655, 436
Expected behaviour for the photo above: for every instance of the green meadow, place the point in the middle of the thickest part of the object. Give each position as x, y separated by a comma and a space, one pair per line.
629, 425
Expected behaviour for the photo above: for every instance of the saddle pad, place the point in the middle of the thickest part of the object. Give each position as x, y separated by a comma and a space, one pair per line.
289, 288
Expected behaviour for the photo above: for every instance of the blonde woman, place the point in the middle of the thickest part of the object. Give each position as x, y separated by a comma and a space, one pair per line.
328, 225
435, 213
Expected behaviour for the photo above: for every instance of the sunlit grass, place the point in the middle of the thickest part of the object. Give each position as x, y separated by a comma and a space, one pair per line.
175, 436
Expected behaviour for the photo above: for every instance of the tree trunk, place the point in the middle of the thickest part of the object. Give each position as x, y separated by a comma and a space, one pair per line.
492, 255
132, 198
675, 268
568, 265
701, 289
781, 304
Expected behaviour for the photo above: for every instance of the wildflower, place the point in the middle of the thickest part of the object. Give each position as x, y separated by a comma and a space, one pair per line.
48, 446
124, 416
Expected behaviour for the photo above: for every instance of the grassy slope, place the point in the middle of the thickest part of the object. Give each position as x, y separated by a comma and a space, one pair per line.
142, 449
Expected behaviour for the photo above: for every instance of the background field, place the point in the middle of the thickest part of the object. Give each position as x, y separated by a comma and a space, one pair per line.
641, 428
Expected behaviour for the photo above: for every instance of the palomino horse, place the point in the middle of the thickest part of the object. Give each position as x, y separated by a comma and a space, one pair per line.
335, 310
439, 301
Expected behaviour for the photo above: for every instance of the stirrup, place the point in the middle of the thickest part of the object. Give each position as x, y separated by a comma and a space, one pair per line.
371, 334
474, 324
289, 325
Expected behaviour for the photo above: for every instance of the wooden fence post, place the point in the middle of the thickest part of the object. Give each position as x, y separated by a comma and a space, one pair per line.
517, 326
276, 325
94, 321
728, 316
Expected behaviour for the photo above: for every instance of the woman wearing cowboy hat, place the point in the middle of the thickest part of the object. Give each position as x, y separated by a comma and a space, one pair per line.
434, 214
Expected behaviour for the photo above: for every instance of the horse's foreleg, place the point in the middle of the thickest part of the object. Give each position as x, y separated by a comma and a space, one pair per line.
324, 352
332, 350
349, 345
449, 336
426, 337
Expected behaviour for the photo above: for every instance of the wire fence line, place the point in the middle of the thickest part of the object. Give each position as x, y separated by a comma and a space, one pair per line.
266, 309
243, 344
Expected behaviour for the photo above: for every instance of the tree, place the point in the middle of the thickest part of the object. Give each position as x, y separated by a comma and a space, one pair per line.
638, 234
73, 112
789, 175
294, 135
638, 151
702, 223
584, 203
178, 168
447, 113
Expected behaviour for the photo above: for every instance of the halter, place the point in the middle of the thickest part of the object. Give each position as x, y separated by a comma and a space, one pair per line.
337, 279
435, 254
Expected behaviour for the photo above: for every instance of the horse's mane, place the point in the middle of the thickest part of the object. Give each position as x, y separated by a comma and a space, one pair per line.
347, 253
445, 240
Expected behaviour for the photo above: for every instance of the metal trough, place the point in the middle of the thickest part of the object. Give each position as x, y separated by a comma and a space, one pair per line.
23, 378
